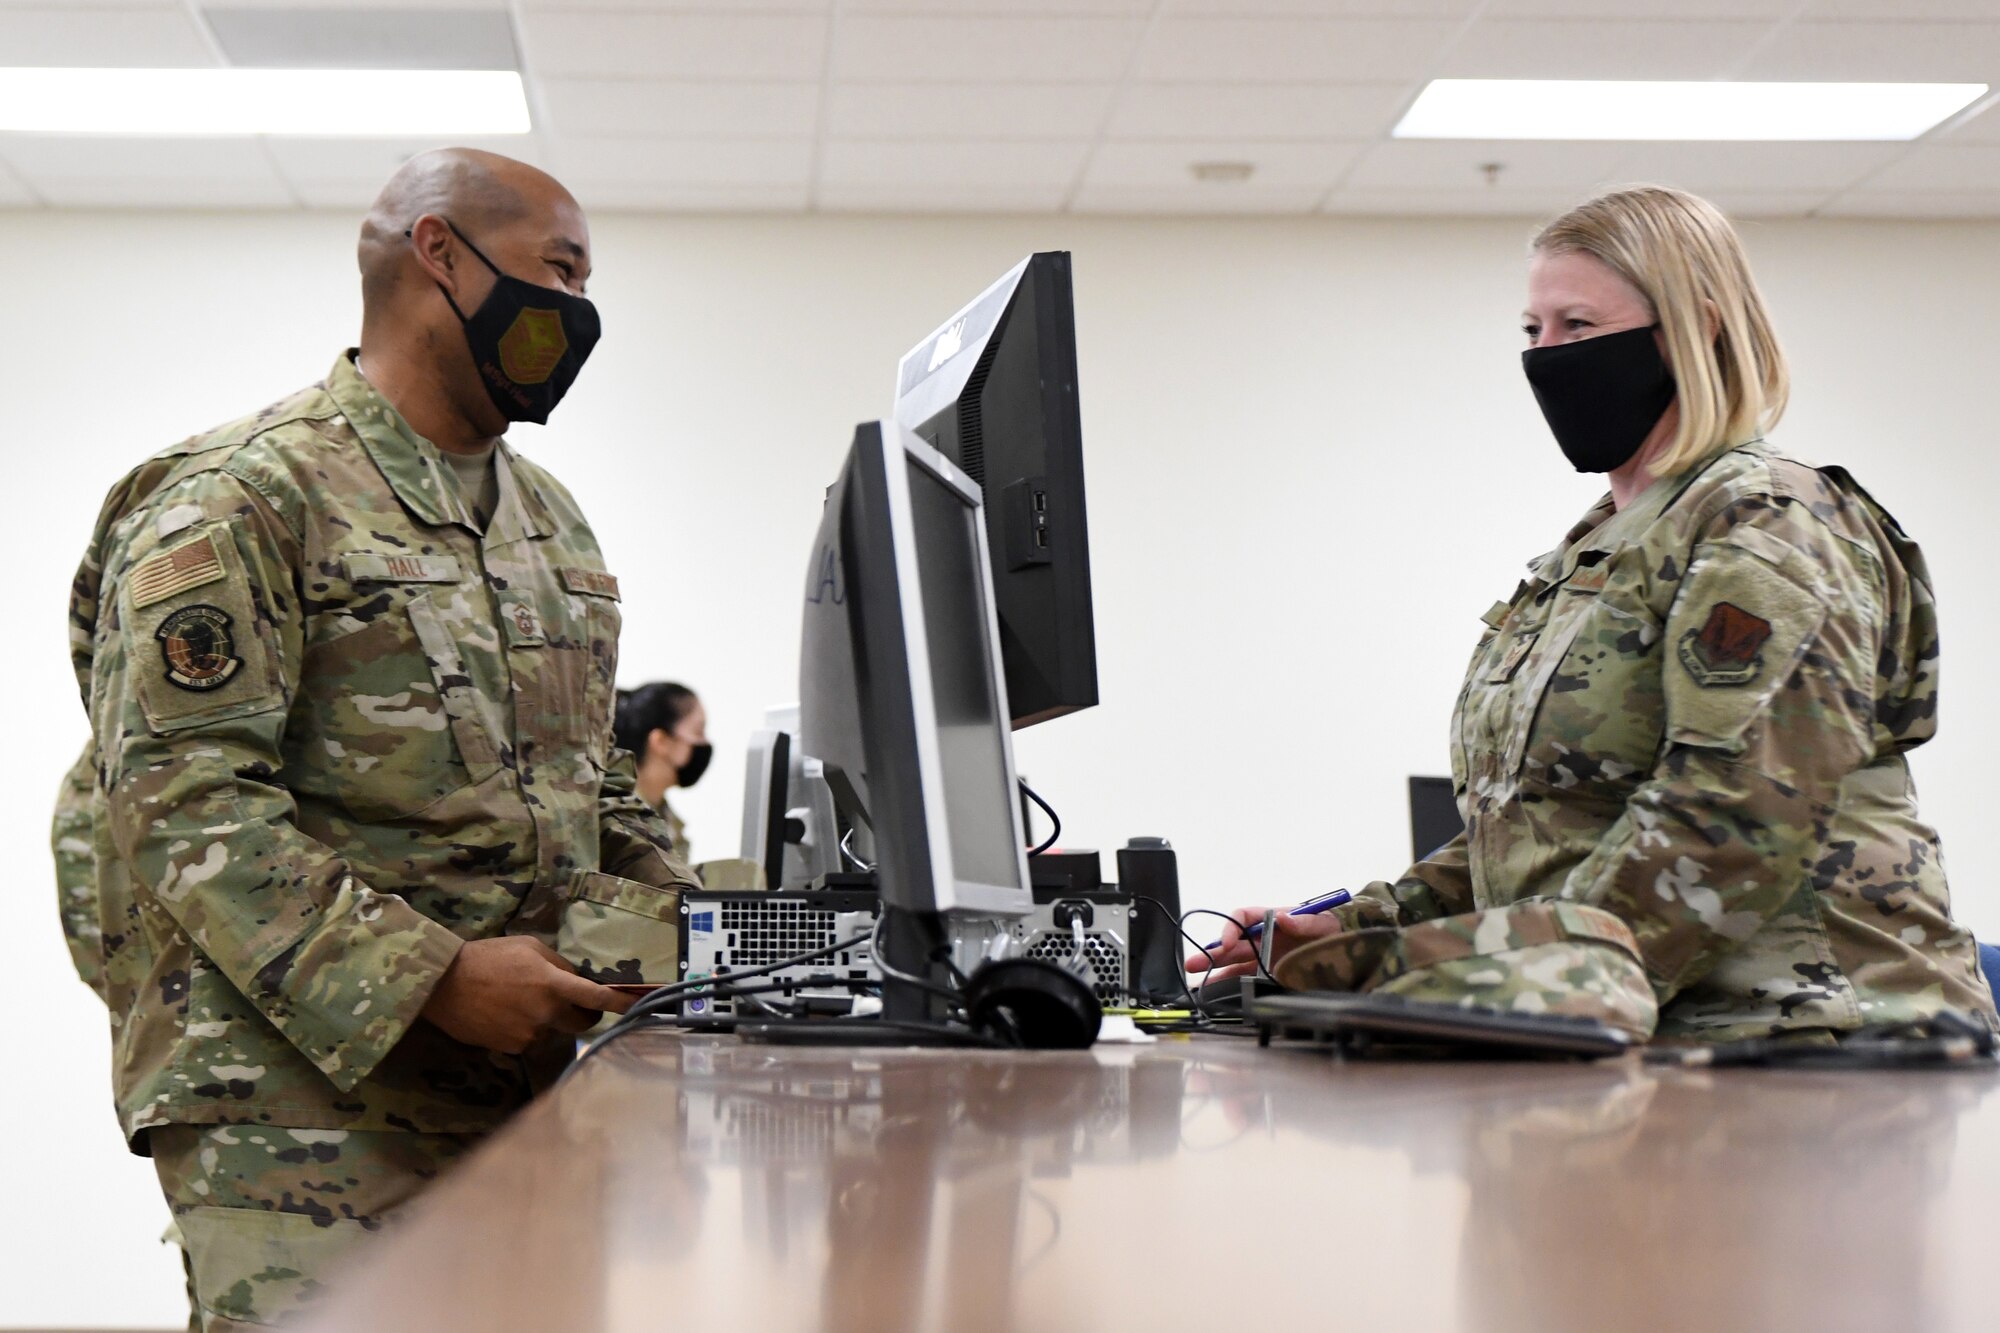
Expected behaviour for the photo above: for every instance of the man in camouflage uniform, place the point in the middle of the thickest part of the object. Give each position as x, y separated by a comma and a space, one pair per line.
76, 869
1694, 714
354, 770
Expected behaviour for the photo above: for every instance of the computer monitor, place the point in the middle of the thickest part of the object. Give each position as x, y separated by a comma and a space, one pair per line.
993, 388
1434, 818
767, 784
900, 691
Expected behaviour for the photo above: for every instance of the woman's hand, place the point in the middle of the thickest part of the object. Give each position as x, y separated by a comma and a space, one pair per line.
1237, 955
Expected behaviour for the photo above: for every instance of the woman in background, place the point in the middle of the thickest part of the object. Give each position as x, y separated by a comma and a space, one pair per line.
666, 729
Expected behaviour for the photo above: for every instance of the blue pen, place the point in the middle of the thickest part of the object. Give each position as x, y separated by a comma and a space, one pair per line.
1311, 907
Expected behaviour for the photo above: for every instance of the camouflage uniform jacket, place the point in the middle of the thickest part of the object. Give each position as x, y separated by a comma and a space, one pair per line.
1695, 714
341, 729
76, 869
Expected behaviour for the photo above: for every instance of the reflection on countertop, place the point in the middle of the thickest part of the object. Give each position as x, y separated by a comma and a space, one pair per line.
684, 1179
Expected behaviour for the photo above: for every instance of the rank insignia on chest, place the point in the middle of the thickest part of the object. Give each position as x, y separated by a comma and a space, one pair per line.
198, 647
527, 625
1726, 649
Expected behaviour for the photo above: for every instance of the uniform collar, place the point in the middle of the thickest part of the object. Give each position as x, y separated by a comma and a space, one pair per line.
1604, 528
416, 471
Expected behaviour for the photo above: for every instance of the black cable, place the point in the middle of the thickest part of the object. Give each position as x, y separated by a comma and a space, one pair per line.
1187, 990
1256, 955
660, 998
1054, 819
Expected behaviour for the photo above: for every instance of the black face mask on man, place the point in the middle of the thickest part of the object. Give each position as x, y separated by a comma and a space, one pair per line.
697, 764
527, 341
1602, 396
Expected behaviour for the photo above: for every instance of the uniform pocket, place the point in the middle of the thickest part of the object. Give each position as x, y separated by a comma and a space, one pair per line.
260, 1268
396, 718
617, 929
1597, 707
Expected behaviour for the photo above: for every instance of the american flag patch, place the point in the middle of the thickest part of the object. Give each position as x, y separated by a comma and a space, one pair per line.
187, 566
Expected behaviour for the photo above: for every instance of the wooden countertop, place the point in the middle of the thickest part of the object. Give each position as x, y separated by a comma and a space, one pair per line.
698, 1183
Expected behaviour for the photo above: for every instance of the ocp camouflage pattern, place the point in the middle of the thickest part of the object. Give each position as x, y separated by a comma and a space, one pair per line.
1531, 957
340, 729
70, 839
266, 1215
1695, 714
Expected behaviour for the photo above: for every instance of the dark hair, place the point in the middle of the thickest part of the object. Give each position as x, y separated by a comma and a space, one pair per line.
659, 706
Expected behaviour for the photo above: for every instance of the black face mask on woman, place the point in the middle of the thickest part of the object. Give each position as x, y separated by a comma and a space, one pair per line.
1601, 396
697, 764
527, 341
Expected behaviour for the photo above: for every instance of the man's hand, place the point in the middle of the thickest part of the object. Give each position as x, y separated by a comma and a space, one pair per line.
1237, 955
502, 994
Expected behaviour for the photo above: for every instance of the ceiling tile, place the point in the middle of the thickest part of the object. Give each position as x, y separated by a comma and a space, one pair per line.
968, 110
1898, 9
979, 163
751, 46
1282, 50
1537, 204
1762, 167
1768, 203
1453, 164
1941, 167
1916, 204
820, 7
1637, 9
1166, 165
1247, 199
899, 49
930, 198
1259, 111
45, 157
1413, 9
1947, 52
615, 107
1039, 8
636, 198
584, 163
71, 171
341, 173
130, 38
360, 4
1584, 49
157, 194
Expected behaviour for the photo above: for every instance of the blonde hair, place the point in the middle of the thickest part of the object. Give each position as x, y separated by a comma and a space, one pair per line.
1685, 258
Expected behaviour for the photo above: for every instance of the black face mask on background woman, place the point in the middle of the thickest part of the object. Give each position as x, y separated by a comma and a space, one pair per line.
697, 764
527, 341
1601, 396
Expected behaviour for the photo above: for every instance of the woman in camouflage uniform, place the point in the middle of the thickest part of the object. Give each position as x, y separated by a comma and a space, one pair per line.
1694, 713
666, 729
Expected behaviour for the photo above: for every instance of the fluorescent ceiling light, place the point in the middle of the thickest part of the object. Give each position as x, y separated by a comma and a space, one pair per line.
1608, 109
344, 103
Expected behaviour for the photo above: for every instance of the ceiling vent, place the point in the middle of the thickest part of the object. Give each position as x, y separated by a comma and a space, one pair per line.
364, 38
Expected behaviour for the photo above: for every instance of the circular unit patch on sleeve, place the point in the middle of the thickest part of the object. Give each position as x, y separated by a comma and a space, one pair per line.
198, 647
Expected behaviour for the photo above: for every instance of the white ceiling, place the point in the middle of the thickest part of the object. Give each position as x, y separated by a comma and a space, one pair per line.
1036, 105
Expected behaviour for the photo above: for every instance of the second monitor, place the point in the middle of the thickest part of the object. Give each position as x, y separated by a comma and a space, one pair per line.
994, 390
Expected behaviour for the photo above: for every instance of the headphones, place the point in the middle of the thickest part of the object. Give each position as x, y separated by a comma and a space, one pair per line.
1033, 1004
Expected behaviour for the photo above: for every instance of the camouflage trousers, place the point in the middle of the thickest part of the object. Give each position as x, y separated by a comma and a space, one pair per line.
264, 1213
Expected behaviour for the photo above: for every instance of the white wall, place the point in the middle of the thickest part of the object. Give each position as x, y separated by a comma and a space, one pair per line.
1312, 463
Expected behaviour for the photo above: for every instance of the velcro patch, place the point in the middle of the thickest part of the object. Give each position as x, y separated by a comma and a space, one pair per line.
1726, 649
595, 582
368, 567
1588, 580
161, 576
